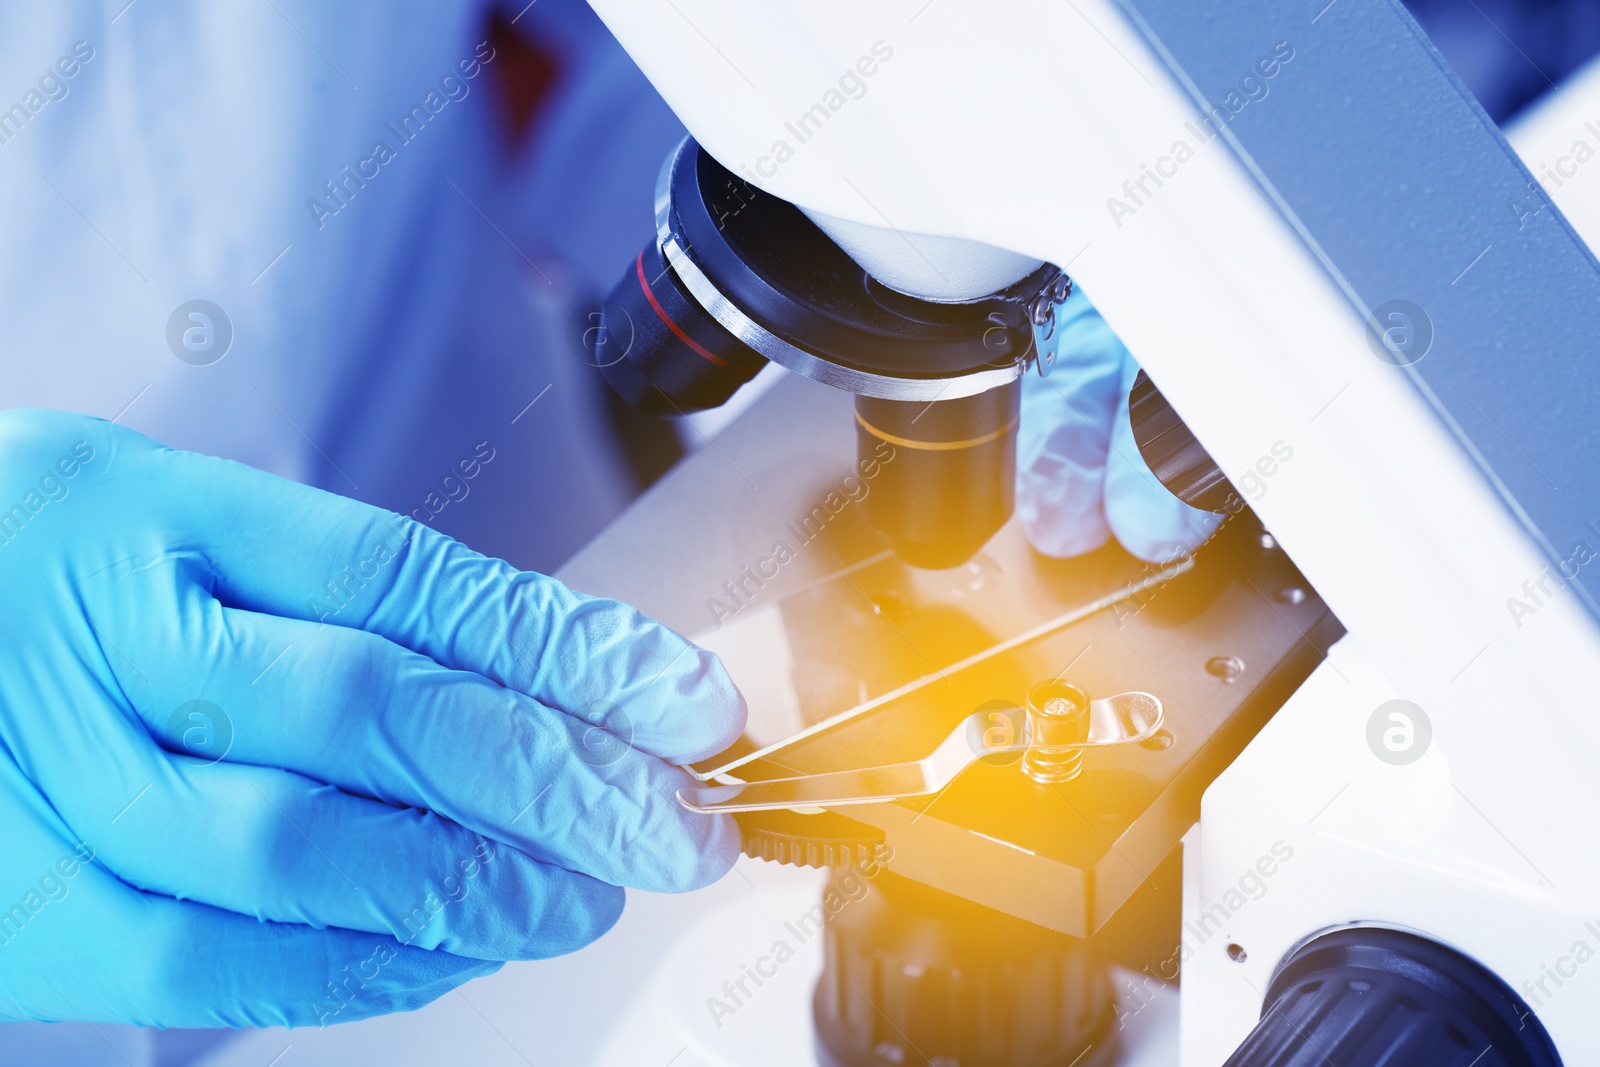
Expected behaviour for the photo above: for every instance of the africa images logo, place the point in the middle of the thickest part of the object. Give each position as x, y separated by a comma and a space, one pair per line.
199, 332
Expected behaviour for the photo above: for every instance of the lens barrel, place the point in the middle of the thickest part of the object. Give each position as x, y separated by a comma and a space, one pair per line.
948, 472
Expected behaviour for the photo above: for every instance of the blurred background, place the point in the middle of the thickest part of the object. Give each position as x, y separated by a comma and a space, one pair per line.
1511, 52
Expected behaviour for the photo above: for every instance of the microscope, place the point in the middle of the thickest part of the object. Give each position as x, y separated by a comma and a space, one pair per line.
1325, 776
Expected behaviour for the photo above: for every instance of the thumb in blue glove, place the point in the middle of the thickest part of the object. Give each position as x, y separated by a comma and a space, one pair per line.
272, 757
1080, 477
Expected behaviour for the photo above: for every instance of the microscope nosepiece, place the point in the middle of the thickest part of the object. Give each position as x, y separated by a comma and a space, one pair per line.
736, 277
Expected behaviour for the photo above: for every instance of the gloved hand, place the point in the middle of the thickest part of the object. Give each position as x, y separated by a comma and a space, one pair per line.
270, 756
1080, 477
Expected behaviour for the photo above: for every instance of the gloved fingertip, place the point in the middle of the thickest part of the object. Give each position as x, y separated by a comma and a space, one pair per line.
1147, 519
1060, 509
1167, 538
689, 849
686, 711
1061, 459
453, 972
1061, 537
716, 710
586, 909
722, 846
420, 980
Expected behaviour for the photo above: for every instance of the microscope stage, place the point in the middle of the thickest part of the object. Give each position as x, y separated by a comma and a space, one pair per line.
1221, 645
832, 622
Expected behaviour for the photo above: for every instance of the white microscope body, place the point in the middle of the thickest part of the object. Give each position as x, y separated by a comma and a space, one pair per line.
949, 146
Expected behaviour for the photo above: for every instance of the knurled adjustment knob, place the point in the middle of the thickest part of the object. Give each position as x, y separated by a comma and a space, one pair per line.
914, 976
823, 839
1367, 996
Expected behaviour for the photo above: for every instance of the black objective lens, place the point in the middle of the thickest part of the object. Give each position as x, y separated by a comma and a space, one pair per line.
948, 471
660, 350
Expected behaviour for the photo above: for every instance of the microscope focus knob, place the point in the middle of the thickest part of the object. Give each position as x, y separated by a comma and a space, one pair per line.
1367, 996
912, 975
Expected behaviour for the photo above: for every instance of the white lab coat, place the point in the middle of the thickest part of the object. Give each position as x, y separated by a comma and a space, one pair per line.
332, 177
381, 332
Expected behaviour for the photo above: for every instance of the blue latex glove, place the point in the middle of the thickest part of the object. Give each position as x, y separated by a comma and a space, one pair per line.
389, 786
1080, 477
